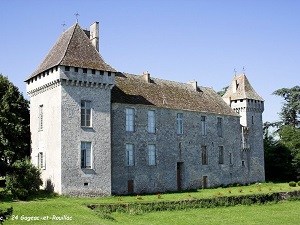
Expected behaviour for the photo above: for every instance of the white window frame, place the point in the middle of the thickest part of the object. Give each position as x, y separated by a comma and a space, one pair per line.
129, 119
86, 113
203, 125
86, 155
129, 154
41, 117
151, 121
152, 155
179, 121
42, 160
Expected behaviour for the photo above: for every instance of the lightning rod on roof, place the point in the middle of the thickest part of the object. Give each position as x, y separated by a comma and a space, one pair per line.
243, 70
63, 25
76, 15
234, 70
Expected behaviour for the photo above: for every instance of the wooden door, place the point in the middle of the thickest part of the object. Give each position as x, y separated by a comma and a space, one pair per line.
179, 176
204, 185
130, 187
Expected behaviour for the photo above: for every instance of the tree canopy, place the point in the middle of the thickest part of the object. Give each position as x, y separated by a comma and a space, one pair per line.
14, 125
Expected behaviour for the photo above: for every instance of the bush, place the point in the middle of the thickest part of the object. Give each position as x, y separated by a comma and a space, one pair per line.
4, 215
292, 184
299, 183
24, 179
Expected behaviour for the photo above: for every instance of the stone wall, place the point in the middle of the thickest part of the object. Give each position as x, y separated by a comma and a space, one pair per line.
172, 148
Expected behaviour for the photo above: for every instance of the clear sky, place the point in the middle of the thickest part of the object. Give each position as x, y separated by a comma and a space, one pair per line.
178, 40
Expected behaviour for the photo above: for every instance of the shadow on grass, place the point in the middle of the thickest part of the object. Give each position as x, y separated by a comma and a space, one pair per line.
40, 195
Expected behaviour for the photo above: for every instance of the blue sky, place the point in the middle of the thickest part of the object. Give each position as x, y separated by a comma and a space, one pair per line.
201, 40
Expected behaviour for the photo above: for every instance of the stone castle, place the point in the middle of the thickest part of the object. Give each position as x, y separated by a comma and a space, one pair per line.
96, 131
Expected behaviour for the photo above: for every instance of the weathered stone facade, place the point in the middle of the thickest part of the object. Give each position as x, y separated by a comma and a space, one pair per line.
228, 150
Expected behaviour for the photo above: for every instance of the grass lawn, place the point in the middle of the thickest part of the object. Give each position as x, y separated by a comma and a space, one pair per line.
50, 209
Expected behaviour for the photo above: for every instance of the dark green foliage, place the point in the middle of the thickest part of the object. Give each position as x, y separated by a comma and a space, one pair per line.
299, 183
14, 125
292, 184
291, 108
278, 160
223, 91
5, 214
24, 180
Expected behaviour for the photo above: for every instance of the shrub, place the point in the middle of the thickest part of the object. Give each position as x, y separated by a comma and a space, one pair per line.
292, 184
299, 183
4, 215
24, 179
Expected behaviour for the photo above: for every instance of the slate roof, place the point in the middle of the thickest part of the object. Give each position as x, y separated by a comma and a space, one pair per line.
244, 89
134, 89
73, 48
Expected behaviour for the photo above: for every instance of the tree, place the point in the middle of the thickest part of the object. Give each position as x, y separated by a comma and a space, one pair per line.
14, 125
24, 180
223, 91
291, 108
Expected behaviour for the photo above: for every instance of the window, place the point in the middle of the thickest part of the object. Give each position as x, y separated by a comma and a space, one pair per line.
203, 125
129, 119
84, 70
129, 155
204, 155
41, 117
93, 71
219, 127
101, 72
230, 158
86, 113
151, 155
221, 154
41, 160
76, 69
67, 68
86, 156
151, 121
179, 123
243, 163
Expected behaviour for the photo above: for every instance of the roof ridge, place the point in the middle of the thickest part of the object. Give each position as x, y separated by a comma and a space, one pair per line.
71, 36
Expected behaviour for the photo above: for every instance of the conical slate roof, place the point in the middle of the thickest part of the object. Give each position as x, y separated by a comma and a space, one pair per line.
73, 48
240, 88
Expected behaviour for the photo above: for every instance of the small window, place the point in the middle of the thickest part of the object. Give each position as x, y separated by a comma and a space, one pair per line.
203, 125
84, 70
93, 71
221, 155
230, 159
129, 119
243, 163
220, 127
76, 69
204, 155
86, 113
152, 155
109, 73
41, 161
151, 121
67, 68
41, 117
129, 155
101, 72
179, 123
252, 119
86, 156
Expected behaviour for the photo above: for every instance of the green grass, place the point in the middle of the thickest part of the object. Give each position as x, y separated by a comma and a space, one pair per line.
44, 205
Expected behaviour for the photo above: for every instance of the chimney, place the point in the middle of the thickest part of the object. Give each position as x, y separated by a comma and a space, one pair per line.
146, 77
94, 34
193, 83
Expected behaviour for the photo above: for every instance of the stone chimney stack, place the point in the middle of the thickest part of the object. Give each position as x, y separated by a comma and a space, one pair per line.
193, 83
146, 77
94, 34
